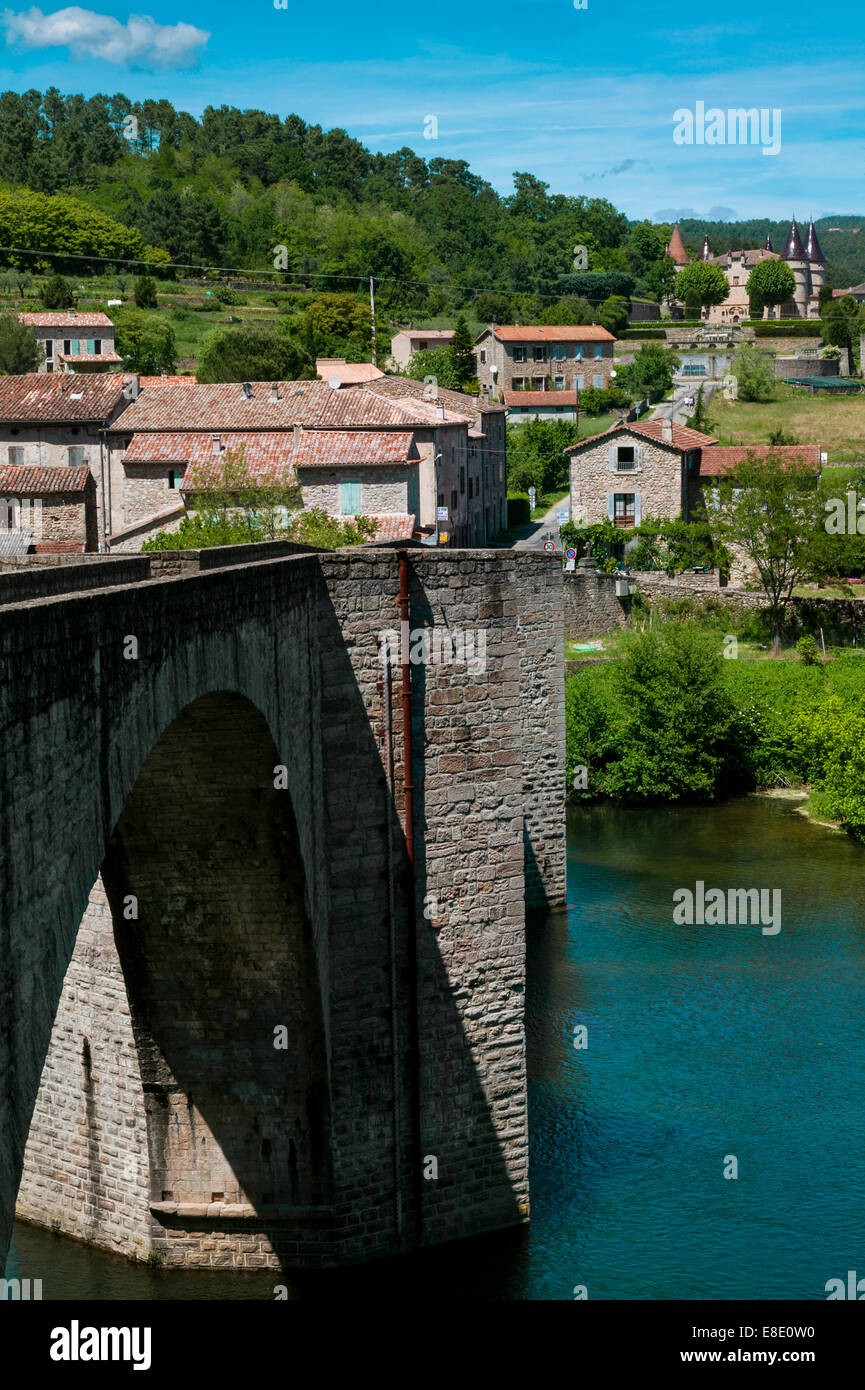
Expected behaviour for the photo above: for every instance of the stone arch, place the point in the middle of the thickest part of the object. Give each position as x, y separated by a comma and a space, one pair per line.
206, 883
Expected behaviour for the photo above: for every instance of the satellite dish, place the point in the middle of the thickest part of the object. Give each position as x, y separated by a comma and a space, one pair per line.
334, 383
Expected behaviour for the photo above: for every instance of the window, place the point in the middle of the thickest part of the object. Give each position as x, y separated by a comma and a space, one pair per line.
559, 353
580, 383
537, 383
412, 492
16, 456
350, 498
471, 488
454, 501
49, 348
441, 499
599, 351
519, 354
578, 352
175, 478
559, 383
463, 478
89, 347
483, 355
97, 347
71, 346
624, 508
76, 456
518, 383
625, 457
598, 382
539, 352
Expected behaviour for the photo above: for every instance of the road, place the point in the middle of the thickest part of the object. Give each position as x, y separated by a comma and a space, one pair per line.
676, 409
532, 537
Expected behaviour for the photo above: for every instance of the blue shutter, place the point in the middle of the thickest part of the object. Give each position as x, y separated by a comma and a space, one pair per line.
350, 493
638, 509
611, 505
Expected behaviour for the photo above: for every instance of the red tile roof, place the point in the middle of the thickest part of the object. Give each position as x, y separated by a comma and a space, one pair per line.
405, 387
90, 357
568, 333
721, 458
348, 373
676, 247
683, 438
66, 319
181, 405
567, 399
49, 397
267, 455
393, 526
32, 481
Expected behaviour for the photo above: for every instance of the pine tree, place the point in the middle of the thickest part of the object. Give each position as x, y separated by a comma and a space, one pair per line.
462, 352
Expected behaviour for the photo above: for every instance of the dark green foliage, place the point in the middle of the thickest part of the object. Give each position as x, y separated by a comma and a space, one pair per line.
250, 353
598, 400
651, 371
519, 510
57, 293
145, 342
535, 454
461, 349
614, 315
19, 351
144, 292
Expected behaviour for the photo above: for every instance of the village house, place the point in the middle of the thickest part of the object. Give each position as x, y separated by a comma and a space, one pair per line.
59, 422
408, 341
353, 452
537, 370
654, 468
477, 506
73, 342
47, 511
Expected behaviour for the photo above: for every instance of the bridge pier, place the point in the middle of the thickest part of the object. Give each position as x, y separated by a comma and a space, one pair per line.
230, 1078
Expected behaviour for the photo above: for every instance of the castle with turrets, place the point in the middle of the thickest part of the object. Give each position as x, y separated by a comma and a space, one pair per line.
807, 263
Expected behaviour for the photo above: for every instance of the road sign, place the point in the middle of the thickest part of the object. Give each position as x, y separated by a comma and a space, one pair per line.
442, 514
571, 553
561, 518
570, 565
550, 545
532, 496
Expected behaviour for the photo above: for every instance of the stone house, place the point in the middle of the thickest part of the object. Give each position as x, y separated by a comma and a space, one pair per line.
541, 405
544, 359
47, 510
658, 469
408, 341
475, 495
74, 342
59, 421
321, 437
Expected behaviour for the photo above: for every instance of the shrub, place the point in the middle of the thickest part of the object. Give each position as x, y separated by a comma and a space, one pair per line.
808, 651
519, 509
145, 292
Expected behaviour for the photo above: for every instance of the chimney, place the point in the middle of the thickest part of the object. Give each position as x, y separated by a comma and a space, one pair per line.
666, 430
298, 430
274, 391
216, 444
440, 411
131, 387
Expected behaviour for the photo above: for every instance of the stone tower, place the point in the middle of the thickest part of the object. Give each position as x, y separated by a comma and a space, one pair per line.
816, 267
796, 257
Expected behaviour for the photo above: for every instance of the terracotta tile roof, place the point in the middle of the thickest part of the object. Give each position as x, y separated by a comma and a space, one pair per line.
566, 399
32, 481
159, 380
579, 333
66, 320
45, 397
90, 357
348, 373
180, 405
393, 526
683, 438
403, 387
268, 455
676, 247
721, 458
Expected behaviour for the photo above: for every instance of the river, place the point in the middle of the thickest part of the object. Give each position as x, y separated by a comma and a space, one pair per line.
705, 1044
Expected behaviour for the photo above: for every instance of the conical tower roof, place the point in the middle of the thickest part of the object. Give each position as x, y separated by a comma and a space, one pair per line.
793, 248
768, 243
676, 248
706, 252
812, 245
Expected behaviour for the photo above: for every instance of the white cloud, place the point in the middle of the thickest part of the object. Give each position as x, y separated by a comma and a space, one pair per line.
140, 42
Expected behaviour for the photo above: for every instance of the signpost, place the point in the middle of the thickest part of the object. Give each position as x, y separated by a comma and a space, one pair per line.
561, 517
532, 495
550, 546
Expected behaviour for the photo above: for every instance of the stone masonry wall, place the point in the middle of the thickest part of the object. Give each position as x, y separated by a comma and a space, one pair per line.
441, 1075
657, 480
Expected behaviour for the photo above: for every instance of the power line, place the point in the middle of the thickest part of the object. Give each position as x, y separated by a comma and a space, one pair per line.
243, 272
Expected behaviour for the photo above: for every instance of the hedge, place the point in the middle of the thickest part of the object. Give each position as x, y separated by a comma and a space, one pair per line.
641, 333
519, 509
778, 328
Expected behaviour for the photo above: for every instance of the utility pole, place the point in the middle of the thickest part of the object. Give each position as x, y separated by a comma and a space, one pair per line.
372, 311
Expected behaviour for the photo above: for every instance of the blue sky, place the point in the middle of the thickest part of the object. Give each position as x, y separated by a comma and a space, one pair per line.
583, 98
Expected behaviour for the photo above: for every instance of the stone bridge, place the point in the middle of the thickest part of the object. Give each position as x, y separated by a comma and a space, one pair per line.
262, 896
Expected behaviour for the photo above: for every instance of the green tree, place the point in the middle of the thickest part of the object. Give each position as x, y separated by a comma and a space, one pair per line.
462, 353
312, 526
57, 293
651, 370
771, 282
755, 376
19, 350
614, 315
253, 353
230, 505
145, 292
145, 342
340, 326
435, 362
771, 512
702, 282
535, 454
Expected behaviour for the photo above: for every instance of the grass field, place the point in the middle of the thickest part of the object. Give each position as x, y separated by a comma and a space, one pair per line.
837, 424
